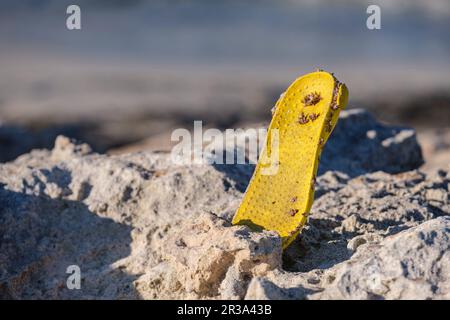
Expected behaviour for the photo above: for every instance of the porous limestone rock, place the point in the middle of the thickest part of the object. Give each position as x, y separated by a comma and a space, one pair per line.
413, 264
139, 226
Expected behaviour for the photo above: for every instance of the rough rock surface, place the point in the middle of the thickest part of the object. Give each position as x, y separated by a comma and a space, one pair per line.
360, 144
16, 140
139, 226
414, 264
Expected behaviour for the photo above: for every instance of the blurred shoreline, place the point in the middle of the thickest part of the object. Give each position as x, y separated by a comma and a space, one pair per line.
138, 70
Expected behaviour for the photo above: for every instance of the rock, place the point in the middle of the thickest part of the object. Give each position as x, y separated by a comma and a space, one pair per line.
16, 140
99, 212
263, 289
139, 226
66, 148
350, 224
437, 195
209, 258
435, 144
213, 259
414, 264
360, 144
358, 241
371, 207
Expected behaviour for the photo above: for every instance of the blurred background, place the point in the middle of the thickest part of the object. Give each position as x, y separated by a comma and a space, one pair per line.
138, 69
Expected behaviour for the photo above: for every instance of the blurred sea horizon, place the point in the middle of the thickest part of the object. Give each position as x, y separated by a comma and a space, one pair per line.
138, 69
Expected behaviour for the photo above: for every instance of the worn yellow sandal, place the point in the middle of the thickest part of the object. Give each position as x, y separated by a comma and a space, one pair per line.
281, 192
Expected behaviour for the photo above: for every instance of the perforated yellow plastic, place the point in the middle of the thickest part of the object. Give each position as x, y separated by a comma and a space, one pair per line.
302, 121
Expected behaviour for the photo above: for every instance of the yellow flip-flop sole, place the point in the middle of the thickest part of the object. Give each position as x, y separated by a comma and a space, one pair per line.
281, 192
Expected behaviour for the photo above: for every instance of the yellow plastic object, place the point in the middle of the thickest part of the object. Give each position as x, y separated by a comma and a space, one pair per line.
280, 199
